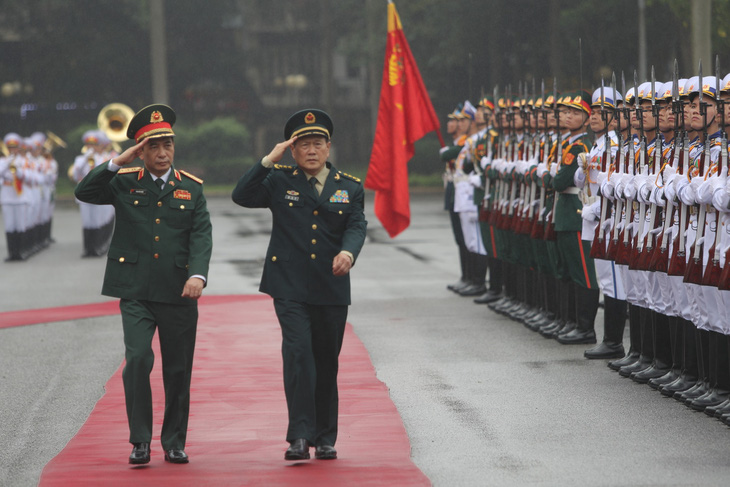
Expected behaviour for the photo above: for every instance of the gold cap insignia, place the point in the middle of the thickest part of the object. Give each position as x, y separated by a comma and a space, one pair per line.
156, 117
310, 118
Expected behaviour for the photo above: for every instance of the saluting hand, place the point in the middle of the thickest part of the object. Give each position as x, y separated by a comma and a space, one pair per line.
130, 154
277, 153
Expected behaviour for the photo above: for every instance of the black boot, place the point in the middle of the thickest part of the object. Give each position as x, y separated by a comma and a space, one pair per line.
586, 307
477, 287
464, 279
688, 377
702, 346
717, 375
675, 339
661, 350
634, 341
614, 322
644, 346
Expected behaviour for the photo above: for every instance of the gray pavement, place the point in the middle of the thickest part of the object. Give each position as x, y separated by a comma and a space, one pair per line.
484, 400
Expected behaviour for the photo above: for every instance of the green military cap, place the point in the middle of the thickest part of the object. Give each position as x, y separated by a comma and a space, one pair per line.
152, 122
309, 122
487, 102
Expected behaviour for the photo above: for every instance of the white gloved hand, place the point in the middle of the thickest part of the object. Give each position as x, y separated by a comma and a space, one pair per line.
685, 191
590, 212
475, 180
553, 169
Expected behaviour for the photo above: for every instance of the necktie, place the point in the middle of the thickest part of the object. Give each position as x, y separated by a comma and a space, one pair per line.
313, 184
160, 182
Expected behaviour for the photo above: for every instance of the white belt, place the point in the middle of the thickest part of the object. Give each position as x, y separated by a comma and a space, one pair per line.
571, 190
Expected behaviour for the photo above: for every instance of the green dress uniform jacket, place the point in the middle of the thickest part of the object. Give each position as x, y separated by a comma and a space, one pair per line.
161, 237
566, 216
308, 230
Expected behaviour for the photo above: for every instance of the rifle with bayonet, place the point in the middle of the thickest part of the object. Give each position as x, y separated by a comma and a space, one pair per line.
711, 277
623, 249
550, 217
693, 272
637, 240
598, 247
660, 257
653, 218
538, 224
619, 164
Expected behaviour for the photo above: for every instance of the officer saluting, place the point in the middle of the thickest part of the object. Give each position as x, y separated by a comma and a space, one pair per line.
318, 230
158, 265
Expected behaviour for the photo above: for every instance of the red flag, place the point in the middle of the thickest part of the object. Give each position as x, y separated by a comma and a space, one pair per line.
405, 114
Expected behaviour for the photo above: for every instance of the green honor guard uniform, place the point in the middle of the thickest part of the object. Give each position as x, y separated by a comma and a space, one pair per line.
575, 252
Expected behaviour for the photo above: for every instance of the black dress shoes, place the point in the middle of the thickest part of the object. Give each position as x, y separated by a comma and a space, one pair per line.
605, 350
488, 297
176, 456
576, 336
325, 452
472, 290
140, 454
298, 450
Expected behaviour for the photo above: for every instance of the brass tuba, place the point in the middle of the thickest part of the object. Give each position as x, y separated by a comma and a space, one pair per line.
114, 119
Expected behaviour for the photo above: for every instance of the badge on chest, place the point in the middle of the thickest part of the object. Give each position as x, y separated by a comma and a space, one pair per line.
292, 195
340, 196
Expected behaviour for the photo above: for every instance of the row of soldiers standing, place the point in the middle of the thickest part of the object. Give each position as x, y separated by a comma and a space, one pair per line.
640, 215
28, 174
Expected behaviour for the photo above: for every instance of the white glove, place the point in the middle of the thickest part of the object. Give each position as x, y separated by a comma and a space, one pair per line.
657, 197
590, 212
705, 189
685, 193
485, 162
630, 189
475, 180
541, 170
607, 189
579, 177
553, 169
670, 193
721, 198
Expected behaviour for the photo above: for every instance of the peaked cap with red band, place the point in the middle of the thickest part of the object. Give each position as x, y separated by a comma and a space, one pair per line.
309, 122
152, 122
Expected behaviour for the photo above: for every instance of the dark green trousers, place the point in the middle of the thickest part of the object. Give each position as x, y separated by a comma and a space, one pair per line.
177, 327
311, 343
575, 253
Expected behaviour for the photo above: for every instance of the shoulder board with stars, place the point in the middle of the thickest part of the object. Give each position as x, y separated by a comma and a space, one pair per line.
127, 170
194, 178
348, 176
283, 167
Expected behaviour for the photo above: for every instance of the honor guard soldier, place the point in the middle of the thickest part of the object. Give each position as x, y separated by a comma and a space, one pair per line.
14, 196
318, 230
97, 221
574, 251
592, 170
158, 266
448, 156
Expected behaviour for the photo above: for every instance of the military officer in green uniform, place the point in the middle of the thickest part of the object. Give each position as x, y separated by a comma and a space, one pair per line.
318, 230
157, 265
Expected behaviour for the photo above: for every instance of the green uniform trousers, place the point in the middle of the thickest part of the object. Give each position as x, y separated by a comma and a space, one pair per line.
575, 254
177, 327
311, 343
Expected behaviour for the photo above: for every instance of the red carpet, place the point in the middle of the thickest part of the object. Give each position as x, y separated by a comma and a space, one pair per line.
238, 416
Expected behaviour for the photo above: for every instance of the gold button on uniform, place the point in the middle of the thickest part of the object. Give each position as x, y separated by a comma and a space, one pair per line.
159, 203
315, 213
157, 221
157, 238
136, 202
340, 212
314, 256
121, 259
156, 256
182, 207
314, 227
291, 204
314, 241
273, 259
